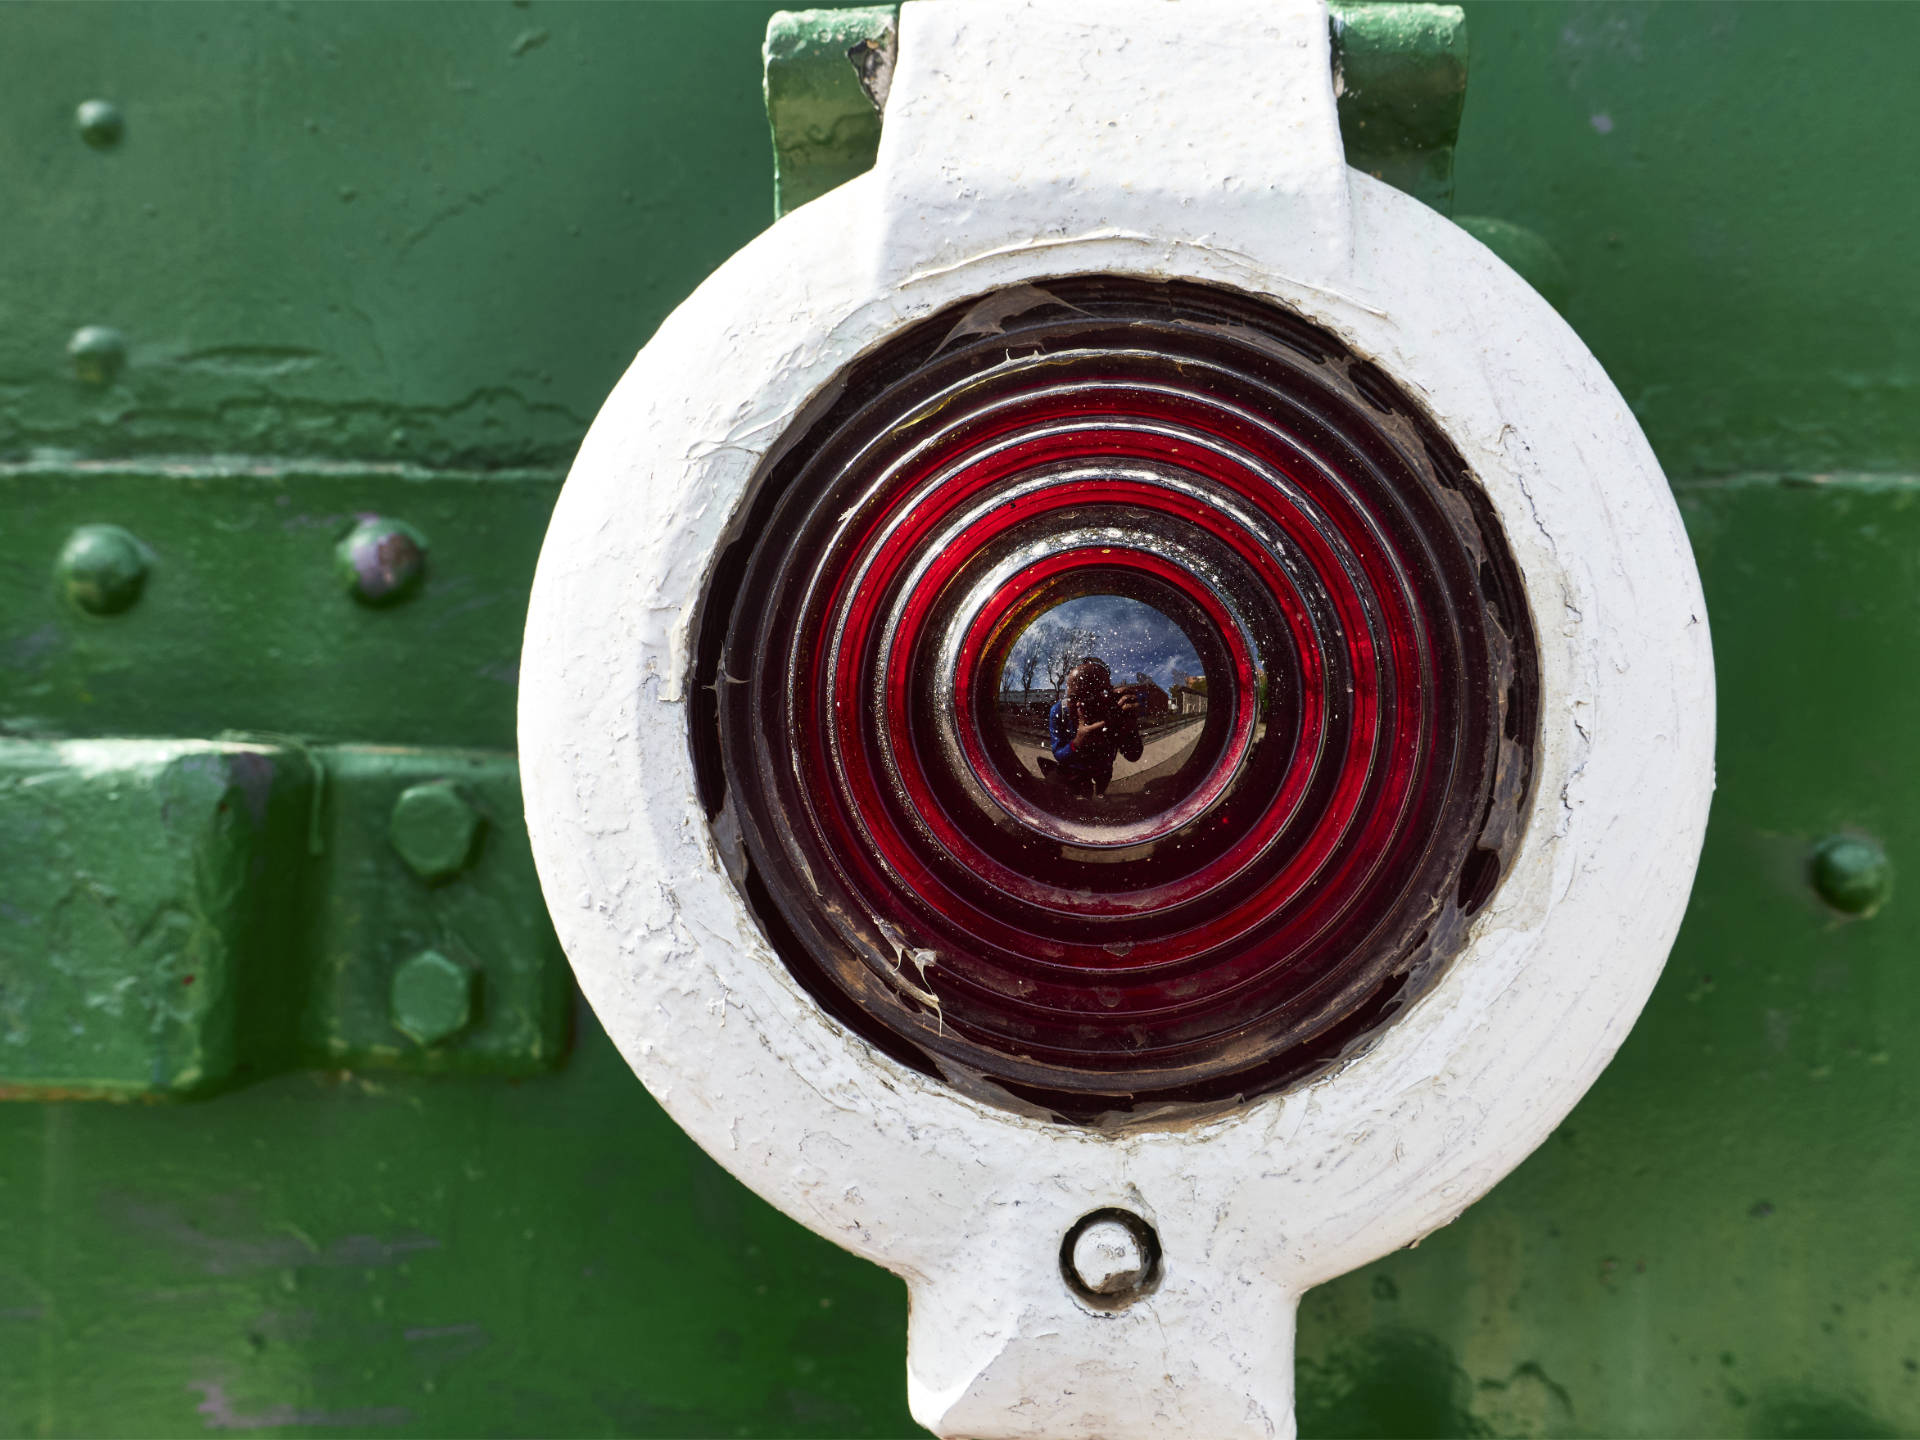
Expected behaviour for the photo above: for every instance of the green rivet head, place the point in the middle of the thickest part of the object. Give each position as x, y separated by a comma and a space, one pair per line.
1852, 875
431, 999
435, 827
97, 352
100, 123
381, 561
102, 569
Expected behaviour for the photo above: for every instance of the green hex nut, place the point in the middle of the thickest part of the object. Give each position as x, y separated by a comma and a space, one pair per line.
436, 829
431, 999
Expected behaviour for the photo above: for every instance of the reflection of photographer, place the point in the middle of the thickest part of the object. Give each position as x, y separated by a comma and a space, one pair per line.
1090, 725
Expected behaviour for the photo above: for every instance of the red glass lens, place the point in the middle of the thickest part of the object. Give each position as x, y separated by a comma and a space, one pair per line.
1123, 696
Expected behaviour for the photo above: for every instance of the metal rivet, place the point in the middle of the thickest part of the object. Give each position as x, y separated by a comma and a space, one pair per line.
434, 828
1852, 874
431, 999
1110, 1258
382, 561
102, 569
101, 123
97, 352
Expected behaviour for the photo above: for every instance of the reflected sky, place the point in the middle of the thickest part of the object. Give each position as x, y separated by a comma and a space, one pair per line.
1132, 637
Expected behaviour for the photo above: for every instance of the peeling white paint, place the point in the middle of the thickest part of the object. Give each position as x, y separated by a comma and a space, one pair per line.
985, 184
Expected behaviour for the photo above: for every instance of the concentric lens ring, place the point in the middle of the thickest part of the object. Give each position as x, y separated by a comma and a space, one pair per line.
986, 622
1345, 798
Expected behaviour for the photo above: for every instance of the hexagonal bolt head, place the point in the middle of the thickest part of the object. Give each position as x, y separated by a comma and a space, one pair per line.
1852, 874
381, 561
102, 569
431, 999
436, 829
1110, 1258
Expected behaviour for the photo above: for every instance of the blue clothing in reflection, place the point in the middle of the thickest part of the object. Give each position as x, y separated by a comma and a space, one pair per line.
1089, 766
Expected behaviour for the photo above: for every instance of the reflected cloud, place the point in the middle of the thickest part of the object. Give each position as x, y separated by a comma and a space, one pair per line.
1134, 639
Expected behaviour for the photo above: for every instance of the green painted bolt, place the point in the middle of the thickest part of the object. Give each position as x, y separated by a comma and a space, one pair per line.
102, 569
431, 998
97, 352
101, 123
1852, 874
382, 561
434, 827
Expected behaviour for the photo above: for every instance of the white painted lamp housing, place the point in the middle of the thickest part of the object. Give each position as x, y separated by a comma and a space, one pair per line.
1114, 1013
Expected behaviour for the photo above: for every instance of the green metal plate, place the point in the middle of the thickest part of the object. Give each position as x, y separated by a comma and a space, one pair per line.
243, 622
349, 1255
431, 233
139, 881
178, 917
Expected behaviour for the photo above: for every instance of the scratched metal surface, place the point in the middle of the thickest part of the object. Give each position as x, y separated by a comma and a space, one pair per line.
435, 235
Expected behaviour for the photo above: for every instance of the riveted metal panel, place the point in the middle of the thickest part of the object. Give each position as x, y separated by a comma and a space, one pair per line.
433, 237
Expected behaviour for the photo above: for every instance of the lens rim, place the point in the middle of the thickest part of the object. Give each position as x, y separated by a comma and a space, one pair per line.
873, 976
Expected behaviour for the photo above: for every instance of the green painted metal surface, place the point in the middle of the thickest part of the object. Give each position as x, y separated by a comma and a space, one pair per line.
141, 879
179, 917
371, 914
1401, 80
243, 621
826, 127
432, 237
1400, 74
1720, 1239
347, 1255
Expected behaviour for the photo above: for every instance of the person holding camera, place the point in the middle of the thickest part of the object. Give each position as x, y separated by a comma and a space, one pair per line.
1088, 726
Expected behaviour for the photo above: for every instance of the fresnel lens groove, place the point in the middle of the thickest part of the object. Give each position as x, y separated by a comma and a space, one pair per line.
1122, 696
